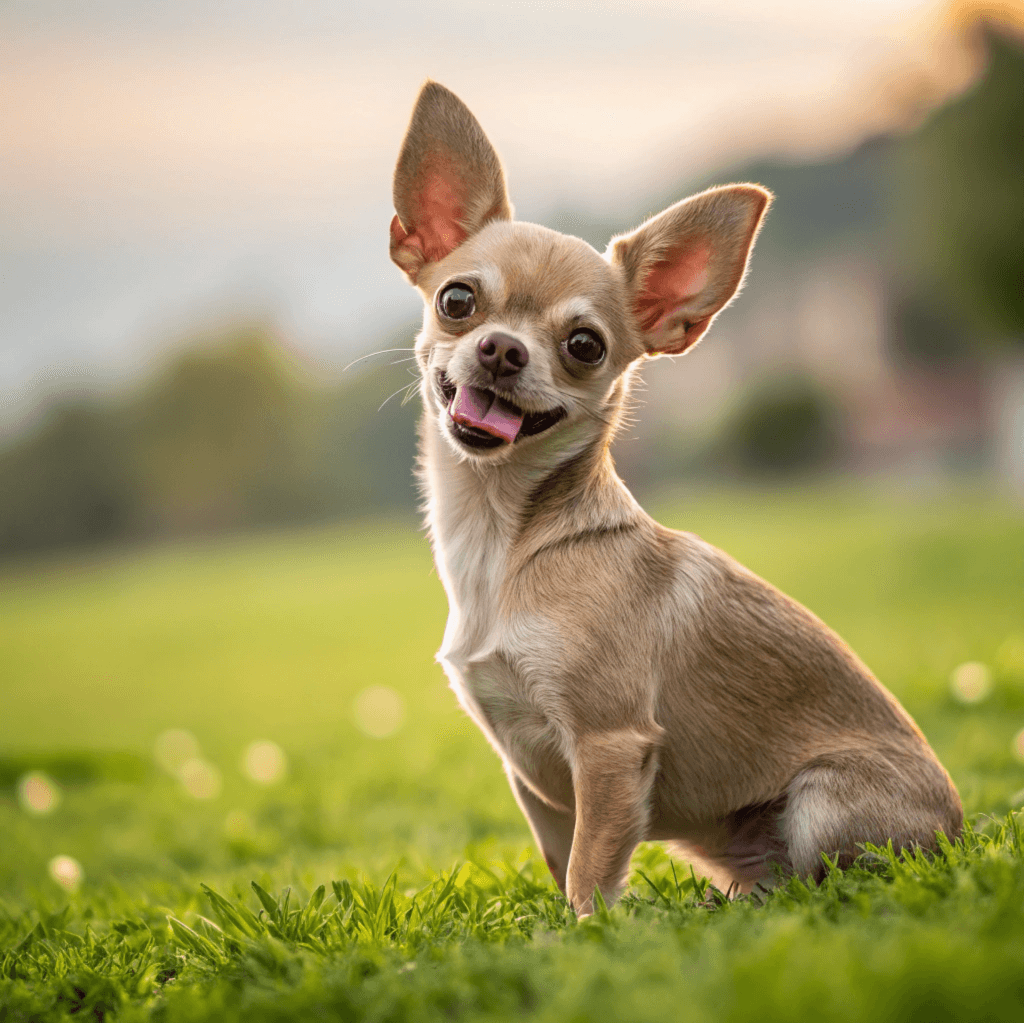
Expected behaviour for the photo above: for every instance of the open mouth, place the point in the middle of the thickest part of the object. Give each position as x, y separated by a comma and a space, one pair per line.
480, 418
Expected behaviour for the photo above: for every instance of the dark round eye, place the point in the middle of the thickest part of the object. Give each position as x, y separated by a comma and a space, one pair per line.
585, 346
456, 302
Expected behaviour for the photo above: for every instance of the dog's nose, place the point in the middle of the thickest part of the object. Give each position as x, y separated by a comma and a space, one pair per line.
502, 355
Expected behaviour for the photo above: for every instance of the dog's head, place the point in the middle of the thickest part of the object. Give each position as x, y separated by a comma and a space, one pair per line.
527, 332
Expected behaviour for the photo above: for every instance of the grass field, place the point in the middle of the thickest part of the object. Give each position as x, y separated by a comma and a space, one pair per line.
413, 892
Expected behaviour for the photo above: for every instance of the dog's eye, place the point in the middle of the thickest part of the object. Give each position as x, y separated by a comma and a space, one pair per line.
456, 302
585, 346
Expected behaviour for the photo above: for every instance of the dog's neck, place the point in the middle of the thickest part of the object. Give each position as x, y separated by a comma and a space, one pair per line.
485, 519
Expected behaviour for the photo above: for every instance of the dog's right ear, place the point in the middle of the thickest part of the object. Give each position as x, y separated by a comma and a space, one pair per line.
448, 182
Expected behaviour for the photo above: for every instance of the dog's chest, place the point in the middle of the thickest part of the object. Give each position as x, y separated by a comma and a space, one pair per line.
514, 711
502, 659
504, 669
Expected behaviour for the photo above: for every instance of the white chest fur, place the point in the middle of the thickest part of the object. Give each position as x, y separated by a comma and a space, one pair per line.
501, 665
510, 688
502, 668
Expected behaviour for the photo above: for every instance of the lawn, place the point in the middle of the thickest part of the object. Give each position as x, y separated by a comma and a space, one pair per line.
234, 785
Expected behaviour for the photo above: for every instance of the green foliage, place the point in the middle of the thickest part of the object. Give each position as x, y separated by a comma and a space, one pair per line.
229, 435
356, 911
218, 438
927, 329
784, 425
67, 484
931, 937
962, 196
75, 768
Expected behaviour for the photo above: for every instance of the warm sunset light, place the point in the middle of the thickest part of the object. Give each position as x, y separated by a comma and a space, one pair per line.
512, 511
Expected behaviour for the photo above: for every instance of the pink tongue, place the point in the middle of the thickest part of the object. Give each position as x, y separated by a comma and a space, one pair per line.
472, 406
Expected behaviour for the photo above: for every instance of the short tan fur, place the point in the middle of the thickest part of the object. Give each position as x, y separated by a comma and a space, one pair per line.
636, 682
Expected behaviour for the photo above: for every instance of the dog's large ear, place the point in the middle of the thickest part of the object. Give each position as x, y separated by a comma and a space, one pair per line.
448, 182
684, 265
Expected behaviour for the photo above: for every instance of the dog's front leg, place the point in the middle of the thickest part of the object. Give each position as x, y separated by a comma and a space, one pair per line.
612, 774
552, 829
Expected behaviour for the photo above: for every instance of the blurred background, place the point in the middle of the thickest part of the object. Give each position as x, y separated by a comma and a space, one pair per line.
217, 611
194, 201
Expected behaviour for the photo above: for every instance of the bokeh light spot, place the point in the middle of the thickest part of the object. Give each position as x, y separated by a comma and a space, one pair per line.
1010, 655
379, 711
66, 871
38, 793
200, 778
238, 825
970, 682
174, 748
264, 762
1018, 745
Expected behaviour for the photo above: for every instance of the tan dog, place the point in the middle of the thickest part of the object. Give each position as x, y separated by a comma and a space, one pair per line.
636, 682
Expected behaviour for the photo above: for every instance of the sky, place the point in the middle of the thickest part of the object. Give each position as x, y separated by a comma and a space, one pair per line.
169, 167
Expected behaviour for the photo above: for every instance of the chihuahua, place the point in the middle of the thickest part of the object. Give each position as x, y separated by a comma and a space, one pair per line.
637, 683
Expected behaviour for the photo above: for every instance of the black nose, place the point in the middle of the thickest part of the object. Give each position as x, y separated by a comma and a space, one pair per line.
502, 355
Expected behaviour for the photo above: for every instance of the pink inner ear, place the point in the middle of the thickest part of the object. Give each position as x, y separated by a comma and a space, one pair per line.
436, 230
672, 282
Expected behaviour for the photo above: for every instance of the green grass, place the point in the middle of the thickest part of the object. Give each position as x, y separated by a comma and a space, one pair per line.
412, 889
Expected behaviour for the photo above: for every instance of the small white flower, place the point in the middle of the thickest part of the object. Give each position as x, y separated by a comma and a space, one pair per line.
1018, 744
238, 825
174, 748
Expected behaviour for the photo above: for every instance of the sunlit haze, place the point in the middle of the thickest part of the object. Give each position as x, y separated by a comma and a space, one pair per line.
182, 165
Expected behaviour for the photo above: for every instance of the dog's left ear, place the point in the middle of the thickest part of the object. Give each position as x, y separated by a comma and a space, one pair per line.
684, 266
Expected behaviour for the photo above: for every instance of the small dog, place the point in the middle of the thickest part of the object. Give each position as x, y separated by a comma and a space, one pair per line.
636, 682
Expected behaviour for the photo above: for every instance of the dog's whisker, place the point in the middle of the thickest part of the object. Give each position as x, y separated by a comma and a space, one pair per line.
411, 388
370, 355
390, 396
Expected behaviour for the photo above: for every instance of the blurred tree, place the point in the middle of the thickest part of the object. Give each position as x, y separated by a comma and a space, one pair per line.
219, 437
229, 435
963, 193
927, 328
68, 483
784, 425
366, 444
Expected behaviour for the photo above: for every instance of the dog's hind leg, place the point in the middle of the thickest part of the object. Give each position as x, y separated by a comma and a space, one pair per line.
841, 800
744, 850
